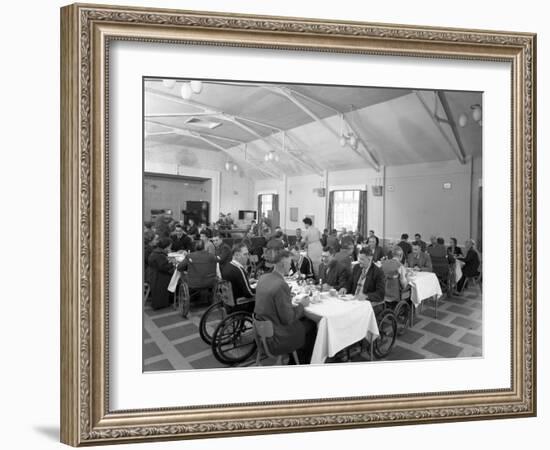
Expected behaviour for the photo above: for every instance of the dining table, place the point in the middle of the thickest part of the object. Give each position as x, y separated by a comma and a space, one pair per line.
342, 320
424, 285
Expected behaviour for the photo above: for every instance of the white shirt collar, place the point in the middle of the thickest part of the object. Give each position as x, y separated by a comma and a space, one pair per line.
237, 263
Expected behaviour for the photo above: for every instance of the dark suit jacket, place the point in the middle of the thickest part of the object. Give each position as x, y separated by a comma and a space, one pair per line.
406, 247
273, 302
183, 243
375, 282
223, 253
201, 269
193, 232
332, 241
160, 273
378, 254
305, 267
423, 262
471, 267
239, 281
335, 274
422, 244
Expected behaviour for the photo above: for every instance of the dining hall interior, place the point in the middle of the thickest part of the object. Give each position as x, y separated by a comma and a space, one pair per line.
309, 224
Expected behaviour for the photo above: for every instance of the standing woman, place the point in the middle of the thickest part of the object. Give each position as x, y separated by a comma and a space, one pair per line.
312, 241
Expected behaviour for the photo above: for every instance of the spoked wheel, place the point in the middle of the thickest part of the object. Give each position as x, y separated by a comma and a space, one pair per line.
387, 327
233, 341
183, 299
402, 316
210, 320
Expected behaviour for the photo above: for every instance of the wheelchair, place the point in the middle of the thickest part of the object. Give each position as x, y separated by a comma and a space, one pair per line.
227, 326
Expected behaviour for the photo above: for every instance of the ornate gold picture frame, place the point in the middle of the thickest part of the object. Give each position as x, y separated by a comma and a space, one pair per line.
87, 31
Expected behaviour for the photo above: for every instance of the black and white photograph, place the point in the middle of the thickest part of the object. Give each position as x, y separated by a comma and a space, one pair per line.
291, 224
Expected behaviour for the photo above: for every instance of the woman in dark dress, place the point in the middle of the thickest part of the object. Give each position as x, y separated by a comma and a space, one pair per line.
160, 273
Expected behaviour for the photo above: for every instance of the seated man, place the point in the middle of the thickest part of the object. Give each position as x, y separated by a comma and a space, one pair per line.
418, 240
419, 260
192, 229
437, 249
345, 255
180, 240
292, 331
301, 263
395, 273
279, 234
471, 263
332, 273
405, 246
201, 270
367, 281
276, 241
333, 241
208, 246
235, 272
223, 251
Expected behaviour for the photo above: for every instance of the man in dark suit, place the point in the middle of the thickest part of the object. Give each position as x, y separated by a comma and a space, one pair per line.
180, 240
333, 241
279, 234
418, 240
405, 246
419, 260
223, 251
200, 267
207, 230
301, 263
373, 235
471, 263
192, 230
367, 280
292, 331
235, 272
345, 255
332, 273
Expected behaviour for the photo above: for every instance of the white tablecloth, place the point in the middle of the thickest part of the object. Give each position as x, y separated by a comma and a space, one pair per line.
339, 324
458, 270
424, 285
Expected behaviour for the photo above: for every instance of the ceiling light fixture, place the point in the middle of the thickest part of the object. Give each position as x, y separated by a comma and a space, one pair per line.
347, 136
476, 116
186, 91
196, 86
169, 83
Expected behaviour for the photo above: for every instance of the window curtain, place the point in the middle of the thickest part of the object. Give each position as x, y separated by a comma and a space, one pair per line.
275, 202
362, 219
330, 212
480, 219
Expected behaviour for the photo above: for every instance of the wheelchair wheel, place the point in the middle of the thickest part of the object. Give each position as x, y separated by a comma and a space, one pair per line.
402, 316
387, 327
183, 299
210, 320
233, 341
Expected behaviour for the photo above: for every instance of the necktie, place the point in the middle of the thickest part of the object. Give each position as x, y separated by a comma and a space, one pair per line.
361, 282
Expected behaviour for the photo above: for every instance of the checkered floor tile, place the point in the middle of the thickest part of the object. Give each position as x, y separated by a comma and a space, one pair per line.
171, 342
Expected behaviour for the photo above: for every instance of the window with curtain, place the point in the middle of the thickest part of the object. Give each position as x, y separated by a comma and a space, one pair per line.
346, 210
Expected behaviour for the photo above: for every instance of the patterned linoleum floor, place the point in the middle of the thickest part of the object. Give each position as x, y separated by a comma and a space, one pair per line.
172, 342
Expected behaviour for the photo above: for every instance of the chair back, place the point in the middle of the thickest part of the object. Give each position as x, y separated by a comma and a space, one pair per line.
440, 266
263, 329
200, 274
224, 293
